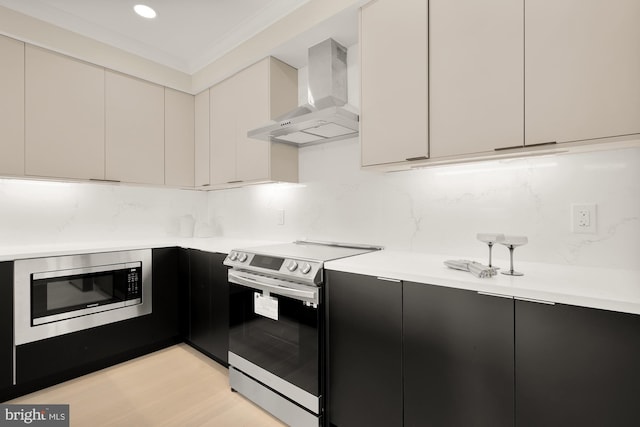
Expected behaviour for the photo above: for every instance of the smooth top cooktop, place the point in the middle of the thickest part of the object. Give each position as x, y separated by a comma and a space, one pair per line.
312, 250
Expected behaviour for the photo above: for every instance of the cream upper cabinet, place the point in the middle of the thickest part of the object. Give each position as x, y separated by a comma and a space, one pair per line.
224, 108
11, 107
64, 116
252, 84
582, 69
134, 130
201, 123
394, 89
475, 76
247, 100
178, 138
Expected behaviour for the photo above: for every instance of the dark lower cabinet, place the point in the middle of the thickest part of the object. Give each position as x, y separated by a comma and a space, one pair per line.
576, 366
458, 354
364, 320
208, 328
457, 357
6, 327
419, 355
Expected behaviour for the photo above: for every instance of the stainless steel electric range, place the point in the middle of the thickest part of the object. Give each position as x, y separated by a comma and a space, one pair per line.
276, 326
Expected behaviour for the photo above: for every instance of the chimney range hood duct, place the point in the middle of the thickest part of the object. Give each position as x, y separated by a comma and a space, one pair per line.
324, 118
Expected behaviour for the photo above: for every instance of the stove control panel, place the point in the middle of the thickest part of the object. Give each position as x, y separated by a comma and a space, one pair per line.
289, 268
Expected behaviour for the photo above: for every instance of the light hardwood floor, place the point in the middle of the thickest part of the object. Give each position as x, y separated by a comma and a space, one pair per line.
176, 386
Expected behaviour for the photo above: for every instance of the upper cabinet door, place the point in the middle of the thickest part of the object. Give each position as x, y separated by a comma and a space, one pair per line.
11, 106
179, 138
223, 122
245, 101
475, 76
201, 148
582, 69
252, 93
135, 130
394, 90
64, 116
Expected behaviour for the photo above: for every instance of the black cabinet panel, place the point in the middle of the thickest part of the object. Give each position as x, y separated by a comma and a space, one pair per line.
458, 355
209, 304
220, 308
166, 293
364, 317
200, 300
576, 366
183, 283
6, 325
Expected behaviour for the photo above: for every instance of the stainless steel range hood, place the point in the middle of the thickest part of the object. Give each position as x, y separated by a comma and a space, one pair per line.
325, 118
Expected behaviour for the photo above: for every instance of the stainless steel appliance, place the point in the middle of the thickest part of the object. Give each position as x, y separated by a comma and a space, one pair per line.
58, 295
276, 326
327, 116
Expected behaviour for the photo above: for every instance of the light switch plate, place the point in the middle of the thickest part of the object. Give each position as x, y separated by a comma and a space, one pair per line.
584, 218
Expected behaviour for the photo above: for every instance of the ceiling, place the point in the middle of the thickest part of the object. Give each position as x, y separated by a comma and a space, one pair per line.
186, 35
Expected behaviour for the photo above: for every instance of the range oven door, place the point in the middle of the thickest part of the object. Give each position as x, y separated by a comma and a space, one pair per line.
274, 335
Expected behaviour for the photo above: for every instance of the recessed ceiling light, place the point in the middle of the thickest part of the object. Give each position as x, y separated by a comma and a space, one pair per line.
144, 11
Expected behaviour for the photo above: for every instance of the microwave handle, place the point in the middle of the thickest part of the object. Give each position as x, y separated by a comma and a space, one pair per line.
262, 285
84, 270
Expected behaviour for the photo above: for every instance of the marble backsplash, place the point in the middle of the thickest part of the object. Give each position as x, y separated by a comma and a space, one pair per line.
437, 210
43, 212
441, 209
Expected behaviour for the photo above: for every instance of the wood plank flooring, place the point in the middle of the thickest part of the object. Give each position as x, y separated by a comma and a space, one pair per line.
177, 386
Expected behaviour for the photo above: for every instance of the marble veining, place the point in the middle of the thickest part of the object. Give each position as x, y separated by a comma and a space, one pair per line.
439, 210
435, 210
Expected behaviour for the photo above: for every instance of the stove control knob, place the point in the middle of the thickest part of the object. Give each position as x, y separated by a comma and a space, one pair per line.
292, 266
305, 268
242, 257
233, 256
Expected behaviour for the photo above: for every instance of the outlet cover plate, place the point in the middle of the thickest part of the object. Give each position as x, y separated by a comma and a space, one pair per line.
584, 218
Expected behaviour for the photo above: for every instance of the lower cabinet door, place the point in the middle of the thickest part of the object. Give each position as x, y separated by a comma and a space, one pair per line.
200, 300
209, 304
220, 308
6, 326
364, 351
576, 366
458, 355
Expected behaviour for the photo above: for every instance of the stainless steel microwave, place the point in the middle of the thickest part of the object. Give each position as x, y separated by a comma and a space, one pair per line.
59, 295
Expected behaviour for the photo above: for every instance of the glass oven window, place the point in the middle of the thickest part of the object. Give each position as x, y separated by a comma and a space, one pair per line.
287, 347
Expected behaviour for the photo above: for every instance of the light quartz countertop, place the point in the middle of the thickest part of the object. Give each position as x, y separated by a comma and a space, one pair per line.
608, 289
209, 244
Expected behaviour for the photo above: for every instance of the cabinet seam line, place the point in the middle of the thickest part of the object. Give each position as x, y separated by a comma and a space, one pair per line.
402, 350
524, 74
514, 362
24, 118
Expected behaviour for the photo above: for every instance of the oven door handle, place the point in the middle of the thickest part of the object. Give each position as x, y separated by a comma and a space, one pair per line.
273, 286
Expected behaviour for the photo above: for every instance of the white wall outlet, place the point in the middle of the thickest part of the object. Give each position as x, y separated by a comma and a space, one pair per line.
280, 217
583, 218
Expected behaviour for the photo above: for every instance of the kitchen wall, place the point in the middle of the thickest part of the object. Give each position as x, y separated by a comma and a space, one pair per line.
40, 212
440, 209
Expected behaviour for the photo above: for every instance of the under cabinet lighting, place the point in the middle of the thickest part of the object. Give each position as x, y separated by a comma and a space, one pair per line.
464, 170
144, 11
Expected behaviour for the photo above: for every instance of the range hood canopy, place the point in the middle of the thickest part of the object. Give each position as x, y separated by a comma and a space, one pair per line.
324, 118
